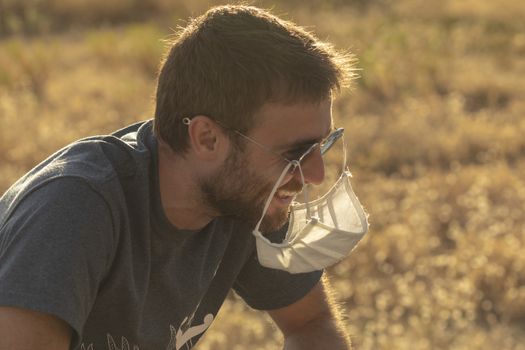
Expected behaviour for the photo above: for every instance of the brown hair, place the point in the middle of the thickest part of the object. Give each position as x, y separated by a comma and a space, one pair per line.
230, 61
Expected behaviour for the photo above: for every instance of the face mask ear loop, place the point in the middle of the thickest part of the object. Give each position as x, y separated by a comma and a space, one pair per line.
345, 165
305, 191
267, 204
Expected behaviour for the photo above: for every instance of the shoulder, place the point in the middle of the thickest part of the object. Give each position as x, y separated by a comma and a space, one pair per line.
59, 205
100, 162
102, 157
57, 243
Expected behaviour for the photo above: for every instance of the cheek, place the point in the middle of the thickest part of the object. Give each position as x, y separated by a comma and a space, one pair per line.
267, 168
286, 180
292, 182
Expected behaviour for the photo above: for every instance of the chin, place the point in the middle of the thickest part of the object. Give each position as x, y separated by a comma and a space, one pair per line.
274, 221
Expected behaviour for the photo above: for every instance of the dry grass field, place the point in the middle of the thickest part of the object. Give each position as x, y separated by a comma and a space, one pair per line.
435, 126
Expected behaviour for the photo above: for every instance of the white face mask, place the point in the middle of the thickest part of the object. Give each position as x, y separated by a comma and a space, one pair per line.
320, 233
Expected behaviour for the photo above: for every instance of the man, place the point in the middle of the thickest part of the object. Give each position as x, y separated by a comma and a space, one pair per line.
133, 240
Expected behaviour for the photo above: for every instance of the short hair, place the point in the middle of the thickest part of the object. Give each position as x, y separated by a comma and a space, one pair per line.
229, 62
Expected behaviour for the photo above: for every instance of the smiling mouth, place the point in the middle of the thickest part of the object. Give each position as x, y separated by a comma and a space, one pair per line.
285, 197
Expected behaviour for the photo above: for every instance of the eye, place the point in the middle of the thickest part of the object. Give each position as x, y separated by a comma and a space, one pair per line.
300, 153
296, 153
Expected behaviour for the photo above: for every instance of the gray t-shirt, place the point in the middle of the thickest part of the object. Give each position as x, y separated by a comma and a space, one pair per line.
83, 236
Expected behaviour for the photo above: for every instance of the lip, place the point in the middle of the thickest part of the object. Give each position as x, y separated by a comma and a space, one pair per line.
282, 200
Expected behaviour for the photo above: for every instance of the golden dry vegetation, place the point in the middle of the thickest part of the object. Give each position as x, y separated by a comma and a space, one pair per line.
435, 127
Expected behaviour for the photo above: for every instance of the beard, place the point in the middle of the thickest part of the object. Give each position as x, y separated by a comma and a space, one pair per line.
235, 191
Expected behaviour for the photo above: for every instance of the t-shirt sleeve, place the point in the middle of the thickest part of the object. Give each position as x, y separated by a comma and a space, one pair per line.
55, 249
264, 288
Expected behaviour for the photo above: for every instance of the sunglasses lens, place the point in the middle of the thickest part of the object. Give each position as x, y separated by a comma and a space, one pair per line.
327, 144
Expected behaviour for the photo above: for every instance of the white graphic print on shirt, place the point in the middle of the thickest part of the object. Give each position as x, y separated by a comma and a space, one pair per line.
178, 338
183, 337
124, 344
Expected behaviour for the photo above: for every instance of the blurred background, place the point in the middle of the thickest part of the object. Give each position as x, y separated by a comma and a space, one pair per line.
434, 127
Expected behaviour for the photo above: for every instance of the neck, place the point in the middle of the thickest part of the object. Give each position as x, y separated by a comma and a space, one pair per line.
179, 191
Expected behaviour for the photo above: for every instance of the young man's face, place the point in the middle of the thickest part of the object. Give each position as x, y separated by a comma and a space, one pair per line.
242, 185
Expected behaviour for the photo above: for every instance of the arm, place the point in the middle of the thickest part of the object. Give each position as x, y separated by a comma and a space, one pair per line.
312, 323
54, 251
21, 329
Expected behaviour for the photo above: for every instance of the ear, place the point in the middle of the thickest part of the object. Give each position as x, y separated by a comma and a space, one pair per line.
207, 139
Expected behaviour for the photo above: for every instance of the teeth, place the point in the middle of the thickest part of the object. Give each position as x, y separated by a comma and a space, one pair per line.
283, 193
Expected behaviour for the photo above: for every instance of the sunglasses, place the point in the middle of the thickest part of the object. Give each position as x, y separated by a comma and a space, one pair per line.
324, 146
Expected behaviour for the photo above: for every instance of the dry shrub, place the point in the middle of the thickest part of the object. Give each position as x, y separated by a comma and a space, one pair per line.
432, 132
77, 97
26, 65
444, 257
140, 45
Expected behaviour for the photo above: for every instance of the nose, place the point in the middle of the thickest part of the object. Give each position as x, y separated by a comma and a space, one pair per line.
313, 168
